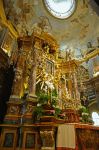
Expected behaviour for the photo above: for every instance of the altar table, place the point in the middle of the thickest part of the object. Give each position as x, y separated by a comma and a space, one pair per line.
77, 136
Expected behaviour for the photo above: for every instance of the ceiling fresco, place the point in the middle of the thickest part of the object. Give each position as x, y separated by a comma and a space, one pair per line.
73, 33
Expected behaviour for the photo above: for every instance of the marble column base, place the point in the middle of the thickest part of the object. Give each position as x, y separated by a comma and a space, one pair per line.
31, 104
14, 106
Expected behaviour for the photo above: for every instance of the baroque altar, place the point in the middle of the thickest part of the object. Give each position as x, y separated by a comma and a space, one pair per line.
44, 95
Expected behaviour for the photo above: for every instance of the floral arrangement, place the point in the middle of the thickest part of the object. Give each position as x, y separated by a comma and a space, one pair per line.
84, 115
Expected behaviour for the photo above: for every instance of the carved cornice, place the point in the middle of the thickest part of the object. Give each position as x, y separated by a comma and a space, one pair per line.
67, 66
41, 38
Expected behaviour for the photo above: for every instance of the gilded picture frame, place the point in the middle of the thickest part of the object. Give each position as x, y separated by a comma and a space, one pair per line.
49, 67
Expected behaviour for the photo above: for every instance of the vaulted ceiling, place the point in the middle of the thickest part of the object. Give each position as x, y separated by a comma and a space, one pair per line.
73, 33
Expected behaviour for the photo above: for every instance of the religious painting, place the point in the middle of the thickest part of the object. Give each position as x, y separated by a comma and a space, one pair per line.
9, 140
7, 43
49, 67
30, 140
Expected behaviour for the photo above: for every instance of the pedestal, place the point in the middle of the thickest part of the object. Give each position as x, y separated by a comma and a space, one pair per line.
13, 111
47, 134
31, 138
8, 138
30, 107
10, 127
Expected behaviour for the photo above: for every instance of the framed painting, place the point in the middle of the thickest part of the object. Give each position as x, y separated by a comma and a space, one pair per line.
30, 141
8, 140
49, 67
7, 43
